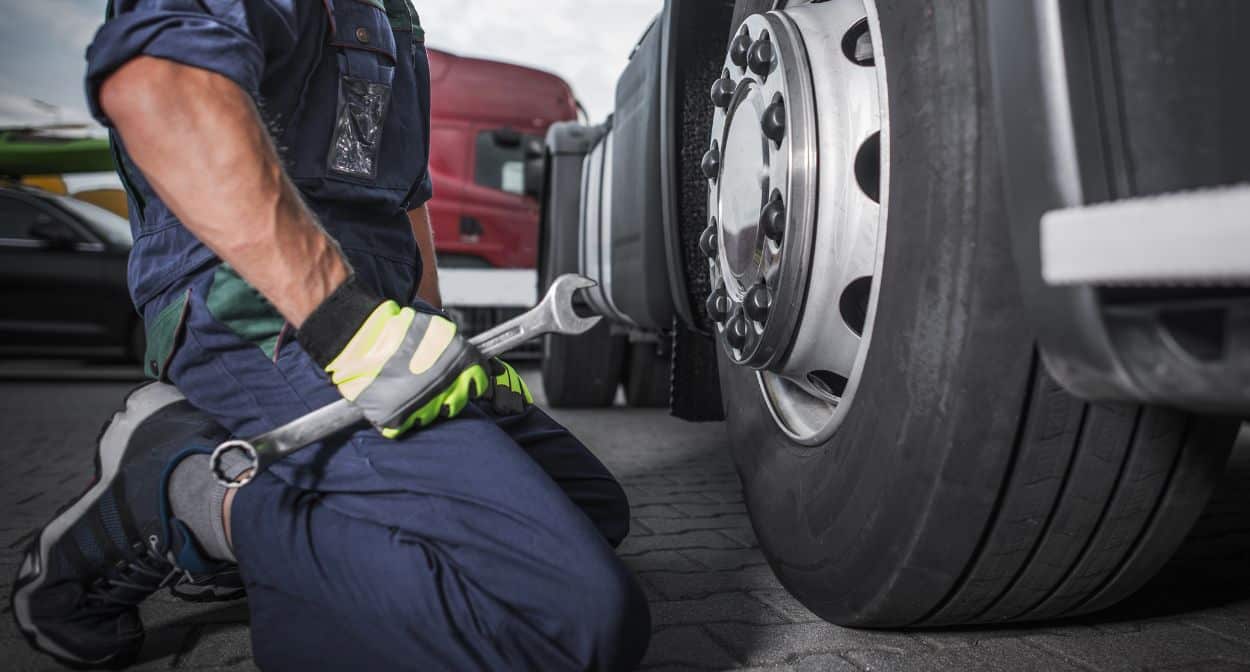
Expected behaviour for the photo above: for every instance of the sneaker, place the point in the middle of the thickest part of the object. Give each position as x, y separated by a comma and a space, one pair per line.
79, 585
221, 586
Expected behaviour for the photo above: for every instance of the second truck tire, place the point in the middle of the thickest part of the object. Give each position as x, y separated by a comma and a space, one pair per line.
585, 370
647, 374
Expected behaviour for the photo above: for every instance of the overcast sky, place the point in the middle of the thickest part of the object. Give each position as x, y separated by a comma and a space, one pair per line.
585, 41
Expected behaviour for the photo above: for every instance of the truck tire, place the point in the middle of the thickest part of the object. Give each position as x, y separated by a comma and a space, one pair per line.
582, 371
647, 374
936, 475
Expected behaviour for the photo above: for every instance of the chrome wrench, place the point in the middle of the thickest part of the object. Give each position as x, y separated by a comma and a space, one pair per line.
554, 314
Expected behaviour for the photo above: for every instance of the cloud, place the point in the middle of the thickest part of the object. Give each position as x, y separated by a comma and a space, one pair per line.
587, 42
19, 112
42, 47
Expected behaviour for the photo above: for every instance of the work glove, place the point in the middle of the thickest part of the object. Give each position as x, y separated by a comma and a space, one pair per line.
509, 395
401, 367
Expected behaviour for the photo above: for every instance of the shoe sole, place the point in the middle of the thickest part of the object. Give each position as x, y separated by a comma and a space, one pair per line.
206, 594
114, 440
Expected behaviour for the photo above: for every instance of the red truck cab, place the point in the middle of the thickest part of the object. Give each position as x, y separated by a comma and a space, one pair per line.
487, 118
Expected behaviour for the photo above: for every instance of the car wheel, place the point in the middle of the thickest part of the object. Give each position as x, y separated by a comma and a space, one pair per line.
906, 459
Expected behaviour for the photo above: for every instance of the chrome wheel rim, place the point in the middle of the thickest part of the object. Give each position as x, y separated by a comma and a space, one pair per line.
797, 185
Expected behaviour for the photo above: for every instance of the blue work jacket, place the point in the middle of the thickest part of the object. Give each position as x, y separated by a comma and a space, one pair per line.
343, 86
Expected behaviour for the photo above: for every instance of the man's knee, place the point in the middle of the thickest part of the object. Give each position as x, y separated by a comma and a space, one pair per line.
615, 623
615, 522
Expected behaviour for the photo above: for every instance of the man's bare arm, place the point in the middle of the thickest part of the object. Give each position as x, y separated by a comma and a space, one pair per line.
201, 144
428, 289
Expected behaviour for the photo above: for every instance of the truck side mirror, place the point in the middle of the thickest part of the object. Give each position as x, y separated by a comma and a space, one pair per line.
535, 174
534, 148
506, 137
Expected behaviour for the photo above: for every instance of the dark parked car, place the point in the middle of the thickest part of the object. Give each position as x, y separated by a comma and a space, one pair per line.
63, 277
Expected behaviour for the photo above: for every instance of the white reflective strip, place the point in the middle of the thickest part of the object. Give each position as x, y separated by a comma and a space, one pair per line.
488, 286
1197, 237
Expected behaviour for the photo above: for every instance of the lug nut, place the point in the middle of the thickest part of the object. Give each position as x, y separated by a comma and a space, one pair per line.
773, 217
711, 162
738, 49
723, 91
774, 121
761, 56
718, 305
708, 241
736, 331
757, 302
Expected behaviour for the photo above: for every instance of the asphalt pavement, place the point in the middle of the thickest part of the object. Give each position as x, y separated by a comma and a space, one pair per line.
715, 604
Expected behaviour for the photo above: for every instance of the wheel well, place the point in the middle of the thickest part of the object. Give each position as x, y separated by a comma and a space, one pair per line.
697, 36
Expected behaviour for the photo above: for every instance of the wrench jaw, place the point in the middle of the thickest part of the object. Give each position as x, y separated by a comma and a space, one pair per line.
559, 303
248, 452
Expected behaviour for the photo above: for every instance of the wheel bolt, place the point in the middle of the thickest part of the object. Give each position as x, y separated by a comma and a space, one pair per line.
761, 56
774, 121
736, 330
773, 217
723, 91
757, 302
738, 49
718, 305
711, 162
708, 241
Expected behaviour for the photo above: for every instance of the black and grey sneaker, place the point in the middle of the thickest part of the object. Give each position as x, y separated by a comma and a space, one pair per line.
78, 588
223, 585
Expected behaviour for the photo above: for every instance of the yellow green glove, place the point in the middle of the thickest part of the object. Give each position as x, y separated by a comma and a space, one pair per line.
402, 367
509, 394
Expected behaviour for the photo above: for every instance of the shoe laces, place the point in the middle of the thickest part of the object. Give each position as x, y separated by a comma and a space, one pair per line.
136, 578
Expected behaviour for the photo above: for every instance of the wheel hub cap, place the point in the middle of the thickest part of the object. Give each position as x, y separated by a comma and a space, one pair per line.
745, 185
794, 251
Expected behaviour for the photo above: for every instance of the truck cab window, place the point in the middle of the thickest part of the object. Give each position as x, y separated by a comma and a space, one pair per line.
500, 162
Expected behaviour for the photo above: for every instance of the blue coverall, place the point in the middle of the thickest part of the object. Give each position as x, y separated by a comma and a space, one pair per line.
483, 542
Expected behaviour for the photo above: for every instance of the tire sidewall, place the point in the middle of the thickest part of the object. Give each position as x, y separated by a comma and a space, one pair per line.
893, 505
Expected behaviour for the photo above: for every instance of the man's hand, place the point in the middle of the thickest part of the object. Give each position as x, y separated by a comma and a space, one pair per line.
509, 394
401, 367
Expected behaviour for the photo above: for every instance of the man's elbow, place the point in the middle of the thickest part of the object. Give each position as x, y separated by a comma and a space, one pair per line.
131, 89
148, 86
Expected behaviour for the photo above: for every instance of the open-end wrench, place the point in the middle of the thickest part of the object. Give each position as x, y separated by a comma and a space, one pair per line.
554, 314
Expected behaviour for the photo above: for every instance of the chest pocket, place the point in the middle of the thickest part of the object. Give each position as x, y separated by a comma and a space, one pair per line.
365, 48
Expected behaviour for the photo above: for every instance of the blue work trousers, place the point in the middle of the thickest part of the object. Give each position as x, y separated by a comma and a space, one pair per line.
482, 542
